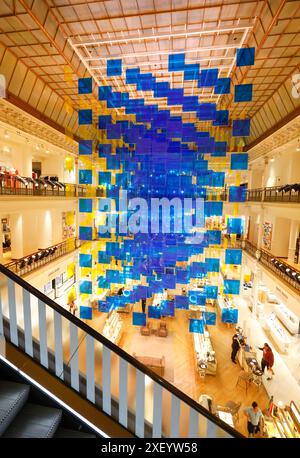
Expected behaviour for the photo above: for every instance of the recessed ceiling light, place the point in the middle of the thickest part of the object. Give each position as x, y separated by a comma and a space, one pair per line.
6, 134
37, 147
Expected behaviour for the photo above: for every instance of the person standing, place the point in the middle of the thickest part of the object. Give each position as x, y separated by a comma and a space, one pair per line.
235, 346
144, 305
255, 419
267, 359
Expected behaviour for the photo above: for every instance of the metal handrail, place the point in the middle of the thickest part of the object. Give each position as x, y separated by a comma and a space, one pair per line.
273, 194
268, 260
118, 351
70, 190
60, 250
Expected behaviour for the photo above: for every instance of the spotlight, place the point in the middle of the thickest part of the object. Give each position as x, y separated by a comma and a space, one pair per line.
6, 134
280, 265
22, 264
287, 270
294, 274
273, 259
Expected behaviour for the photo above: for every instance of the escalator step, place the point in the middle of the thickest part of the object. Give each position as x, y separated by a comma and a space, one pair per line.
13, 396
35, 421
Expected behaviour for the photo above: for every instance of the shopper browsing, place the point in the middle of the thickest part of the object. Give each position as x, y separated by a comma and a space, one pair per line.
255, 419
267, 359
235, 346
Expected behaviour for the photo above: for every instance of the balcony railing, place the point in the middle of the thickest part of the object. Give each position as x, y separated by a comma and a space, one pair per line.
282, 269
41, 257
274, 194
67, 190
99, 371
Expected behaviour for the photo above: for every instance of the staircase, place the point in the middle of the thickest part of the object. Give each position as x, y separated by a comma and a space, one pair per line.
22, 417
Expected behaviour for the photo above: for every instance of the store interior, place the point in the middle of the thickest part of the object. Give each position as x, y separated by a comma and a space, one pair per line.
200, 128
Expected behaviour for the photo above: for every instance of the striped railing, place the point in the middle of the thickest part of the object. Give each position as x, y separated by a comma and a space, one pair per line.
101, 372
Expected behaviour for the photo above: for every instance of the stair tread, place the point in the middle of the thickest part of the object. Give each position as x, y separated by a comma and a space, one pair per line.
35, 421
70, 433
13, 397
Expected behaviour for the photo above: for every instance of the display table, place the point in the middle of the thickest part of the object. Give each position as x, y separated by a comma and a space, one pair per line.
277, 332
204, 353
157, 365
288, 318
113, 327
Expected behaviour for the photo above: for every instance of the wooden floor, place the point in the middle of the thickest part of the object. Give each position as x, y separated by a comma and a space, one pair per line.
221, 387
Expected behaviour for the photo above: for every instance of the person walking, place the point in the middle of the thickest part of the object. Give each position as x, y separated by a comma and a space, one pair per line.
235, 346
255, 419
267, 359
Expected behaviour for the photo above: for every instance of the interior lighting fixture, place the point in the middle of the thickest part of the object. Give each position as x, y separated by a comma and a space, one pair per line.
294, 274
37, 147
6, 134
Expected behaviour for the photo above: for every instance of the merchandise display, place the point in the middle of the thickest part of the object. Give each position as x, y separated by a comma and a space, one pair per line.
228, 309
279, 335
113, 327
204, 353
288, 318
281, 422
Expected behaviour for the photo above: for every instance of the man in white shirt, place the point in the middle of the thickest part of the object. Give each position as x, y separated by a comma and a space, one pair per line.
255, 418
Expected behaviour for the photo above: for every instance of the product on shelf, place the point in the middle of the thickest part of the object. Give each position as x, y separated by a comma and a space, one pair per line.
113, 327
204, 352
288, 318
279, 335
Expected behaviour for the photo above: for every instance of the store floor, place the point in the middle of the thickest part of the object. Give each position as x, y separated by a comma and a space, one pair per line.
284, 385
180, 364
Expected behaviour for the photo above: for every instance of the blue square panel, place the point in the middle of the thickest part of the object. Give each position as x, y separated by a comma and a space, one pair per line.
214, 237
85, 260
139, 319
154, 312
241, 127
167, 308
222, 118
231, 286
85, 233
85, 85
191, 72
243, 93
85, 117
208, 77
233, 256
229, 316
207, 111
182, 302
210, 318
239, 161
114, 67
235, 226
197, 297
85, 177
237, 194
211, 291
213, 264
222, 86
85, 287
196, 326
176, 62
245, 56
86, 313
85, 147
86, 205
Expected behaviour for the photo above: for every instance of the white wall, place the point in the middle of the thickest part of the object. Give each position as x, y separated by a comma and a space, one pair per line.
37, 225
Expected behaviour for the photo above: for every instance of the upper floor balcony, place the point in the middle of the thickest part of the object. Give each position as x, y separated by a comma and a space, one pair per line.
289, 193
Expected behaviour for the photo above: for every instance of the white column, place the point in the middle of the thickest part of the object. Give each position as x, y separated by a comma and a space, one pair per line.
294, 233
255, 287
45, 229
27, 161
16, 228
